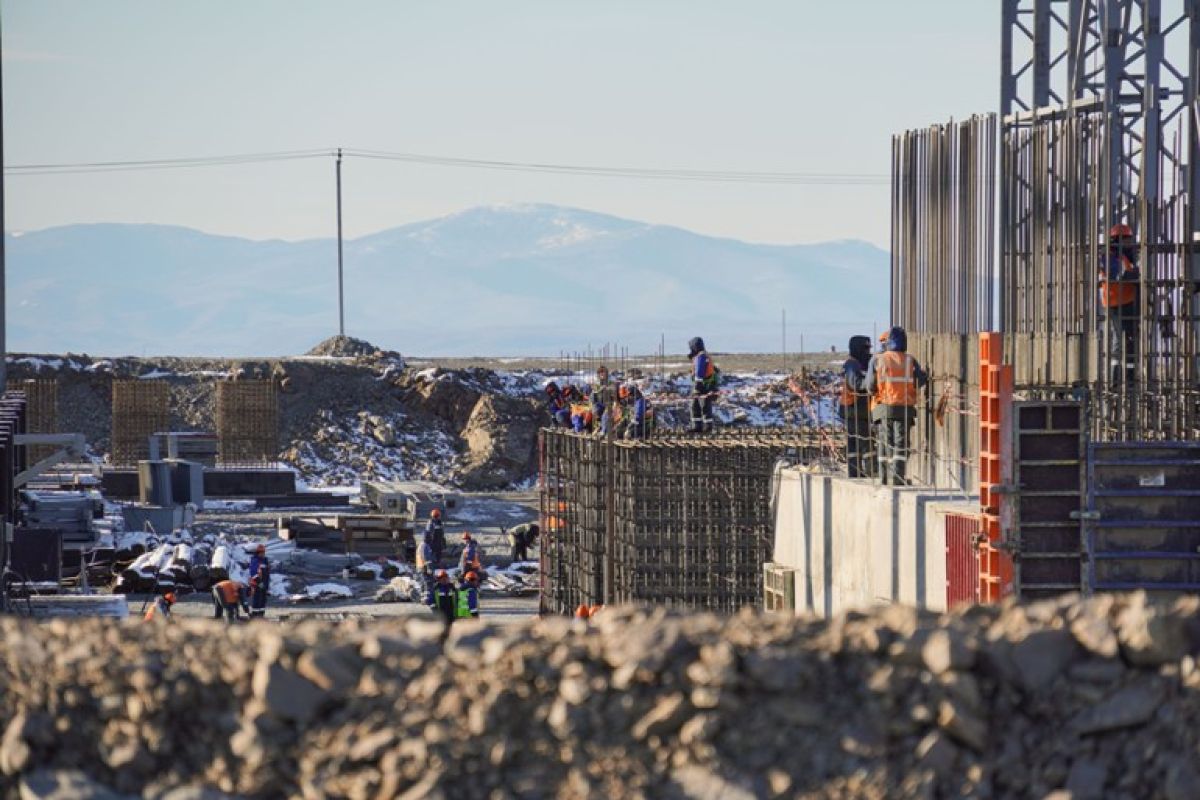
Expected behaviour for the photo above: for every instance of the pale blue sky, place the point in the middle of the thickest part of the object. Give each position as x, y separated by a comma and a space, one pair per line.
790, 85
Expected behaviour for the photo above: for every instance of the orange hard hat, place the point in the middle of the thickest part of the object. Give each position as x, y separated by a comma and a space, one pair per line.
436, 513
466, 536
262, 548
1119, 230
169, 597
583, 612
624, 391
883, 336
471, 576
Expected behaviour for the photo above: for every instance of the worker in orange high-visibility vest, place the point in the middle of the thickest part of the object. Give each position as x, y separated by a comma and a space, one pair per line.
894, 379
1120, 301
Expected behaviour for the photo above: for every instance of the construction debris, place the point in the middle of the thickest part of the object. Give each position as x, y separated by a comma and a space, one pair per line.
1097, 698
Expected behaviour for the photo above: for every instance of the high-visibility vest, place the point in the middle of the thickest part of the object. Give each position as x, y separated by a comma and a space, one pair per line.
1114, 294
895, 381
229, 591
462, 604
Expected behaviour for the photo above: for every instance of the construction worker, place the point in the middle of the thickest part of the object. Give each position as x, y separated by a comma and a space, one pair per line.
558, 406
1120, 283
893, 380
854, 409
633, 412
260, 585
426, 561
469, 560
228, 596
705, 380
435, 535
441, 597
602, 399
521, 538
161, 608
466, 597
256, 560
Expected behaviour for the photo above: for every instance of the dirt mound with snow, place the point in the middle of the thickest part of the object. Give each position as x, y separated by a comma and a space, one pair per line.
1092, 699
346, 347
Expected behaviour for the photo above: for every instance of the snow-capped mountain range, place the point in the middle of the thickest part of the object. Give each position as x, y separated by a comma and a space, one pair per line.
508, 280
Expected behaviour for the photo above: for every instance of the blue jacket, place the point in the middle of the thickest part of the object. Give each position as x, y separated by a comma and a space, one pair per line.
255, 562
441, 597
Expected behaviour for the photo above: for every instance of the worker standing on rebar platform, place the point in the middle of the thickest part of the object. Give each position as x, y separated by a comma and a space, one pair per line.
1120, 282
633, 411
558, 406
435, 535
853, 408
893, 380
705, 380
602, 401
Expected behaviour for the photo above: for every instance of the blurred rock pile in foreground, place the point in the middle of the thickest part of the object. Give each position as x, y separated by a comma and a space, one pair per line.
1069, 699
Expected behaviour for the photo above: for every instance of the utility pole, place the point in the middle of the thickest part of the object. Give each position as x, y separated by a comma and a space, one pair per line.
783, 326
341, 295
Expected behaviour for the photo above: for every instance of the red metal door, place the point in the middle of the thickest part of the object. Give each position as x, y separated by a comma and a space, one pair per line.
962, 559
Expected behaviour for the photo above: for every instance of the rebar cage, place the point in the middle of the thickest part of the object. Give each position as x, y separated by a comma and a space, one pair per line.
674, 520
247, 422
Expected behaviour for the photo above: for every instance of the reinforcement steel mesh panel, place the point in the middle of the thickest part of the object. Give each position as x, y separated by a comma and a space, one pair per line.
675, 520
247, 422
139, 409
41, 413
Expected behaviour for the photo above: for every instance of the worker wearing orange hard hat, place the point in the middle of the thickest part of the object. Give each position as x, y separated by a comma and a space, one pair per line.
1120, 301
160, 609
583, 612
442, 597
466, 605
894, 379
470, 558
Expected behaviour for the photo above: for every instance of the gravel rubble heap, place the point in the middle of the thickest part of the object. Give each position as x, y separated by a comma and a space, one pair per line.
1056, 699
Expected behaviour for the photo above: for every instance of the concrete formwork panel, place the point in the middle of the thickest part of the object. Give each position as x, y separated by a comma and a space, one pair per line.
855, 544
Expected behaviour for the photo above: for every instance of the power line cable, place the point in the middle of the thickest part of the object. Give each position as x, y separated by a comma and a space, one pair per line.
718, 176
164, 163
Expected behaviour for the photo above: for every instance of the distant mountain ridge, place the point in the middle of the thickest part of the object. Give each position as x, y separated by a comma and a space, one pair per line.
501, 280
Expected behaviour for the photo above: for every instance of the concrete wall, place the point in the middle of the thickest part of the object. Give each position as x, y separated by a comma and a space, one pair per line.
855, 544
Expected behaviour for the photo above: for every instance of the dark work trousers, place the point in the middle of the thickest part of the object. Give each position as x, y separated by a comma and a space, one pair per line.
860, 450
1123, 324
702, 413
230, 610
894, 435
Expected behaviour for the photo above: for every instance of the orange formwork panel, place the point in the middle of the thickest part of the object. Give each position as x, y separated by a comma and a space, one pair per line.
995, 420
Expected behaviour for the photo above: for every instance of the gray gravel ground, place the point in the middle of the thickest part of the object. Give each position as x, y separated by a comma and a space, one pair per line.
483, 514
